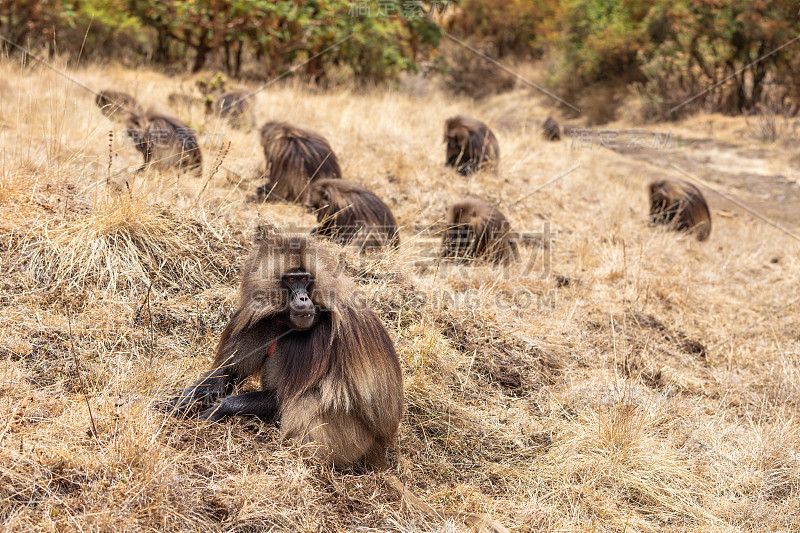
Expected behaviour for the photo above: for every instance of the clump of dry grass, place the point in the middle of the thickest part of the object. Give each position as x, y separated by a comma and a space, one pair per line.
620, 450
127, 244
773, 121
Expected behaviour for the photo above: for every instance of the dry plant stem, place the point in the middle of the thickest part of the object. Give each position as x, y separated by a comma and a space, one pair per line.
79, 375
221, 153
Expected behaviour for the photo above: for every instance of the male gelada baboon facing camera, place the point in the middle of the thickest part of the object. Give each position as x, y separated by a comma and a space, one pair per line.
164, 141
295, 157
115, 104
349, 213
329, 371
477, 230
680, 205
471, 145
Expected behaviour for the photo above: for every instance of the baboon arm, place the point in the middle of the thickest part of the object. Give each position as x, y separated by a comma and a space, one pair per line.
212, 386
480, 240
240, 354
261, 404
244, 344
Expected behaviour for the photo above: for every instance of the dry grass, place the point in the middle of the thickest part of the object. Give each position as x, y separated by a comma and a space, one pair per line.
637, 381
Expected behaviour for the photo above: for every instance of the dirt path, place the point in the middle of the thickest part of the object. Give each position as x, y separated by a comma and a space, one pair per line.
761, 177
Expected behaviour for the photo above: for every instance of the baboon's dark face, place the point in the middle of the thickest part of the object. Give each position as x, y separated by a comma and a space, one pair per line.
316, 198
134, 127
456, 139
302, 314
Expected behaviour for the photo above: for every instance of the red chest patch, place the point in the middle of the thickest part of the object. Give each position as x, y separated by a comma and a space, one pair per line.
271, 349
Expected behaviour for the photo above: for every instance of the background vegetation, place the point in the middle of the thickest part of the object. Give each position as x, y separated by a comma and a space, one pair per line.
665, 51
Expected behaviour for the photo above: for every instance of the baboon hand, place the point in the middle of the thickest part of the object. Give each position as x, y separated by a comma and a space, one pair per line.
203, 394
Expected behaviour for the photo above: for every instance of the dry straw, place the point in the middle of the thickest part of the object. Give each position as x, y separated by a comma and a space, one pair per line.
629, 379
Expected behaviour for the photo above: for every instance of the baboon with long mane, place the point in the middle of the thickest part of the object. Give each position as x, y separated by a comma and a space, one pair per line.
471, 145
329, 371
117, 103
552, 131
295, 157
346, 210
680, 205
328, 368
477, 230
164, 141
236, 106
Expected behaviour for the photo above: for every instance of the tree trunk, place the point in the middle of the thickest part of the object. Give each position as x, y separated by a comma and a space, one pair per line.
200, 57
162, 46
238, 59
227, 48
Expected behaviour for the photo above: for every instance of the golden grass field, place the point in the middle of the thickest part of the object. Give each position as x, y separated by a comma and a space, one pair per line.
625, 379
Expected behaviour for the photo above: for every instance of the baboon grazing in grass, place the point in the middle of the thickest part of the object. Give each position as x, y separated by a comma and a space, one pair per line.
471, 145
295, 157
477, 230
236, 106
115, 104
680, 205
165, 142
349, 213
552, 131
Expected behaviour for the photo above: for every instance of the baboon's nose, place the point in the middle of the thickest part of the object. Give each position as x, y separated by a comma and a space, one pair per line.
301, 302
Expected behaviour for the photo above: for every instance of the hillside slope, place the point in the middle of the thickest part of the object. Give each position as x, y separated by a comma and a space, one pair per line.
622, 379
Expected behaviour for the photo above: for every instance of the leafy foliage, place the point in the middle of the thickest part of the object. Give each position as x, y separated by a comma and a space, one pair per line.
261, 38
723, 55
376, 42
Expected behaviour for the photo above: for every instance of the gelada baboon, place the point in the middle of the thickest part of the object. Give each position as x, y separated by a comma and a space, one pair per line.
329, 371
680, 205
164, 141
295, 157
116, 103
346, 210
477, 230
236, 106
471, 145
552, 131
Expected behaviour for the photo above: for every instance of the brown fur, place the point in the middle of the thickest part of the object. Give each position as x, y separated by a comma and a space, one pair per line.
337, 384
236, 106
476, 230
116, 103
165, 142
345, 209
295, 157
680, 205
552, 131
471, 145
